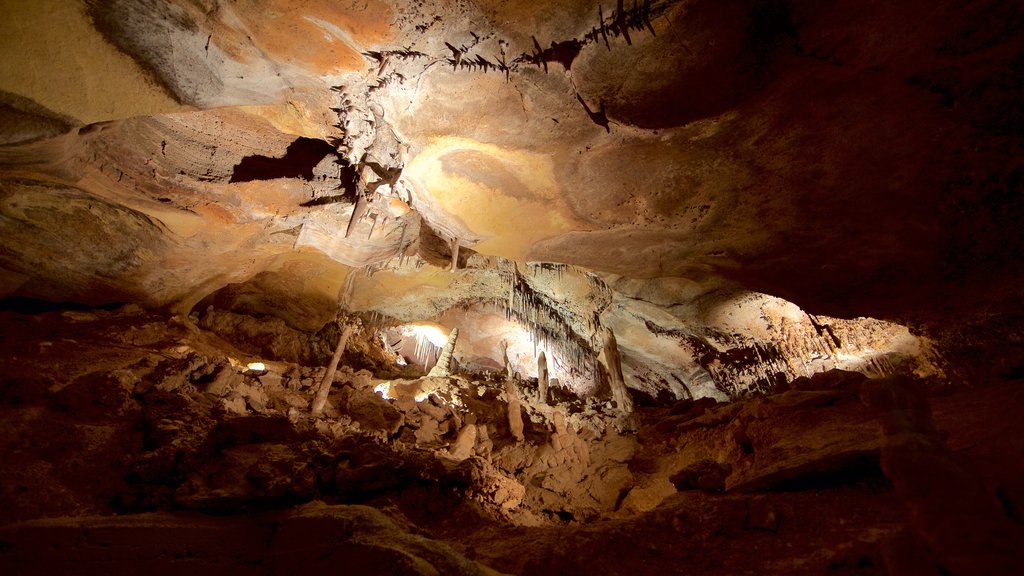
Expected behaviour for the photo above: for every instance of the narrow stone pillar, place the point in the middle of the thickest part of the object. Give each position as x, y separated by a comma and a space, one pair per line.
455, 253
515, 414
443, 367
325, 385
611, 355
542, 377
504, 359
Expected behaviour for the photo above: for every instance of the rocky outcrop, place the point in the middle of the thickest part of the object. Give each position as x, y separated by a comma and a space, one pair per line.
797, 436
313, 537
154, 415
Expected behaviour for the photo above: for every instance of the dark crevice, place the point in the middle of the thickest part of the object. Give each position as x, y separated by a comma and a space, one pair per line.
855, 471
298, 161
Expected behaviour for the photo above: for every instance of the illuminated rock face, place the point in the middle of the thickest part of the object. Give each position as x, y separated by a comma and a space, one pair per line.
842, 159
747, 194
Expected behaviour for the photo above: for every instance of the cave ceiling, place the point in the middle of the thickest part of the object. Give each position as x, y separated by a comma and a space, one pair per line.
689, 173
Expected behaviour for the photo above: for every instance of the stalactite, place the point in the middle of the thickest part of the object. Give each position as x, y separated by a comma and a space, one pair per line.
455, 253
425, 351
545, 324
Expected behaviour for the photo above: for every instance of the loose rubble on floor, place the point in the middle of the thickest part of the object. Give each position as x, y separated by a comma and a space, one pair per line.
154, 438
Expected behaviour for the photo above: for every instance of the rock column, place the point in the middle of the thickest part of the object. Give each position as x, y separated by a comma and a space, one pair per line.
542, 377
611, 355
515, 414
325, 385
484, 444
443, 367
505, 361
455, 254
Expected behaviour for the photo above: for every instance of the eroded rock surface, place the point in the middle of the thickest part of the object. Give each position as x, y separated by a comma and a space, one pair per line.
754, 243
838, 472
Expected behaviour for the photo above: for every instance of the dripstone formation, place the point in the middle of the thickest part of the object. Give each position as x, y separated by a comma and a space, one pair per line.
488, 287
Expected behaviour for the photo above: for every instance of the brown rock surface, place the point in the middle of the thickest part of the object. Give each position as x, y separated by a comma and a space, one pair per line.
800, 220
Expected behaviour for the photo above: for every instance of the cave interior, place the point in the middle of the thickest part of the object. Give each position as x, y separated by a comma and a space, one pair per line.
487, 287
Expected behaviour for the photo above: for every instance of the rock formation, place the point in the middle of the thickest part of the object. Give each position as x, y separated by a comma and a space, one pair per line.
443, 367
567, 449
171, 421
464, 443
325, 385
763, 258
620, 395
542, 377
515, 413
484, 444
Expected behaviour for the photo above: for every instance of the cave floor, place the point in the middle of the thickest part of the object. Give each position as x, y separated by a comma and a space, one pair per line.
119, 457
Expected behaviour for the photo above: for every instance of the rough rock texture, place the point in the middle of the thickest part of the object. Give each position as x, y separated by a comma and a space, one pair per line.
150, 417
312, 537
681, 152
799, 219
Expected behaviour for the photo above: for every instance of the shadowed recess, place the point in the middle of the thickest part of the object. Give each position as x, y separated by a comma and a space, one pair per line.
298, 162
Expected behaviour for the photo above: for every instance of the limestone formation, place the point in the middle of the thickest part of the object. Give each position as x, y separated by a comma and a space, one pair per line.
620, 394
505, 362
720, 477
443, 367
455, 245
567, 448
464, 443
484, 444
325, 385
786, 234
542, 377
515, 413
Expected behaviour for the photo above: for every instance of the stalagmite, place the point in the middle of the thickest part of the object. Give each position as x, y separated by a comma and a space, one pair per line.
462, 448
504, 359
619, 392
559, 435
484, 444
566, 447
443, 368
542, 377
325, 385
515, 415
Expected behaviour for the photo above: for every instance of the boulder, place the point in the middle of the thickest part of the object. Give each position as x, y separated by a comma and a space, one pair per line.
252, 475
